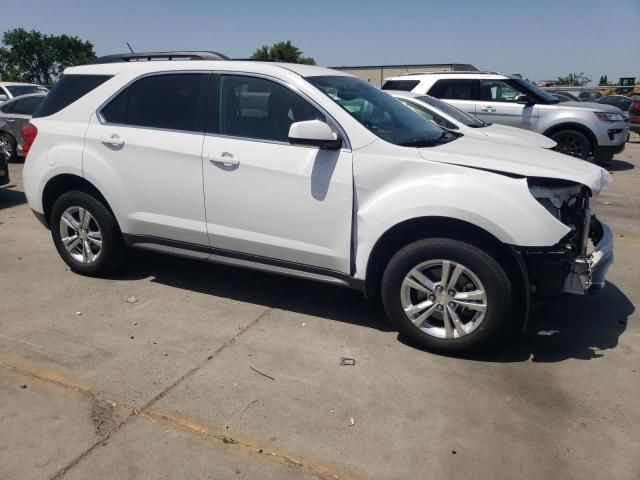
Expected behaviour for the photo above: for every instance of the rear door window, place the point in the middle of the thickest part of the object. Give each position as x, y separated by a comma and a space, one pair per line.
453, 89
169, 101
402, 85
66, 91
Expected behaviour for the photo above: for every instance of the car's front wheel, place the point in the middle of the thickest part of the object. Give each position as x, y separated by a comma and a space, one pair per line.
86, 234
446, 295
572, 142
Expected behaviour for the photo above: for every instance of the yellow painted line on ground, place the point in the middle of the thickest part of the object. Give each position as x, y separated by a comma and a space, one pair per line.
256, 449
223, 436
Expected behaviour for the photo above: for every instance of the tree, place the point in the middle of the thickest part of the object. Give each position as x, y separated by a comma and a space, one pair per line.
573, 80
603, 80
282, 51
40, 58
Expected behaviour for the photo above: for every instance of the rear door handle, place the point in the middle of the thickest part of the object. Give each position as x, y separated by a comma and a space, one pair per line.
488, 109
112, 140
10, 120
226, 159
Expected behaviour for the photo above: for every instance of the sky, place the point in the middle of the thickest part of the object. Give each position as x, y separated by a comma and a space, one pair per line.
541, 39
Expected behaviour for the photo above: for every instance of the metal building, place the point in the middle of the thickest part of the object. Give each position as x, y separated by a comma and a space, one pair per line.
375, 74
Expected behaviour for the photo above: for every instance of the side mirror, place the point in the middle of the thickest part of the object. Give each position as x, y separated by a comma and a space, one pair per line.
524, 100
315, 134
3, 98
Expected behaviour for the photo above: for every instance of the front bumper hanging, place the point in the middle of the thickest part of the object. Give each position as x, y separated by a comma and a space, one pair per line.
588, 273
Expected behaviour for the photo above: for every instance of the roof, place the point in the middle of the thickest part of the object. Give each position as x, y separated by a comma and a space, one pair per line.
9, 84
454, 66
402, 93
220, 65
431, 75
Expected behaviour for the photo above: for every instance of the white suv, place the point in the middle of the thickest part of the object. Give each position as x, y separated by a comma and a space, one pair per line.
313, 173
580, 129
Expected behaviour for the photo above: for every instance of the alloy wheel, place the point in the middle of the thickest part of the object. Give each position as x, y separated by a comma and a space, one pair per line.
81, 234
443, 298
570, 145
6, 149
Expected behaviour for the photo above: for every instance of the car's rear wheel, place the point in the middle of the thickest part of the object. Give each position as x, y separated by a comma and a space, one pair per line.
572, 142
446, 295
7, 147
86, 234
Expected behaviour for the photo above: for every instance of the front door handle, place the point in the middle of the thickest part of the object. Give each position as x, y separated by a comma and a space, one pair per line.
226, 159
114, 140
488, 109
10, 120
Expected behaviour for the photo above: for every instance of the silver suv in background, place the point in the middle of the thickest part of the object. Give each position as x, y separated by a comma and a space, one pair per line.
580, 129
9, 90
15, 114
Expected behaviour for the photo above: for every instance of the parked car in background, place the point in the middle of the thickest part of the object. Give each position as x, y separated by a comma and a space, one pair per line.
311, 172
563, 98
9, 90
451, 118
621, 101
633, 117
568, 95
4, 165
580, 129
589, 96
15, 114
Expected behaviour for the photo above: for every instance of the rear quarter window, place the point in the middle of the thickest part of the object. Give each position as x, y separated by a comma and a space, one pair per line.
66, 91
402, 85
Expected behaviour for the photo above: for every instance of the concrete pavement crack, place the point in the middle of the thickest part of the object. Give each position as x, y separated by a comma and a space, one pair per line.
116, 427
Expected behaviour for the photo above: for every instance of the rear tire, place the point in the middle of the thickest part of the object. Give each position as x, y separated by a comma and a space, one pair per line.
86, 234
572, 142
8, 148
446, 295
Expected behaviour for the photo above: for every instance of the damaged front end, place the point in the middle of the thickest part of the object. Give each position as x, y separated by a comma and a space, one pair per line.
578, 263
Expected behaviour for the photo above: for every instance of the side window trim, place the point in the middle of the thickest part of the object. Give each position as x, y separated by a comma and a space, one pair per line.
205, 82
346, 144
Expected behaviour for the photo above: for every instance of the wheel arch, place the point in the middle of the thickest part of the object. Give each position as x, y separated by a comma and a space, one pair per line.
586, 131
420, 228
66, 182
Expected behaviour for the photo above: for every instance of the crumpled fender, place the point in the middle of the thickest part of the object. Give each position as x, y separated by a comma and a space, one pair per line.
391, 189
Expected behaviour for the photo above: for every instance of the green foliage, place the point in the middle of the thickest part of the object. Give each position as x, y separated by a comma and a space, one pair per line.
603, 80
573, 80
282, 51
40, 58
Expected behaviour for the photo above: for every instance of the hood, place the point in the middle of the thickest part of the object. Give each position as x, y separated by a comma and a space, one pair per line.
518, 160
596, 107
517, 136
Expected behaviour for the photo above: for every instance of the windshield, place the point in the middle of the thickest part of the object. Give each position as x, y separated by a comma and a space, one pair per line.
379, 112
538, 92
459, 115
17, 90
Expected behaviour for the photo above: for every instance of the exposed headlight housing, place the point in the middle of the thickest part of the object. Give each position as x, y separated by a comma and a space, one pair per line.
609, 117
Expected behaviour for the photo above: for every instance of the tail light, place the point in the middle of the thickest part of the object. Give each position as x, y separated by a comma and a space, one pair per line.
28, 134
635, 107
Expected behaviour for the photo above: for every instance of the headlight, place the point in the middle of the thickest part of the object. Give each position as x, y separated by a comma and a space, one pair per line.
609, 117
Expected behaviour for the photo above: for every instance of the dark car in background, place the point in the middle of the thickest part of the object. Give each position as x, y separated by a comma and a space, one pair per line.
633, 117
15, 114
620, 101
589, 96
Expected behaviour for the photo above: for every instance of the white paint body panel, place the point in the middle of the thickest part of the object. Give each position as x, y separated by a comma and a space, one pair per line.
285, 202
280, 201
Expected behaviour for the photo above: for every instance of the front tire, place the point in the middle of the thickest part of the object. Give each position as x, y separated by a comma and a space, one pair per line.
572, 142
446, 295
86, 234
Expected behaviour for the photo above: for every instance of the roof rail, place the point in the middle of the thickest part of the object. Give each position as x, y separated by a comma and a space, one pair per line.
457, 72
148, 56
